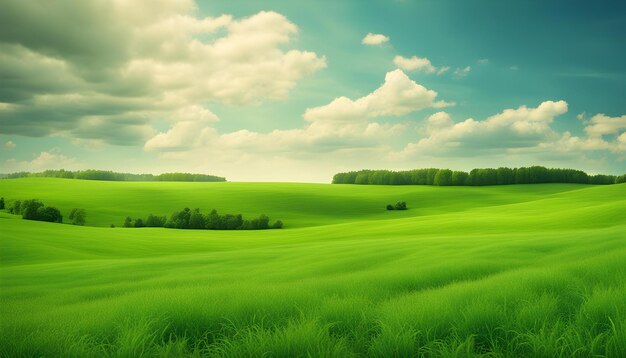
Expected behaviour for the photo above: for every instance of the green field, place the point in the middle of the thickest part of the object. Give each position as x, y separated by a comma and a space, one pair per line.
520, 270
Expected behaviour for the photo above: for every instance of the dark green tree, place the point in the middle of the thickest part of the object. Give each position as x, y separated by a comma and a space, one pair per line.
29, 209
212, 220
155, 221
196, 220
443, 177
400, 205
139, 223
78, 216
49, 214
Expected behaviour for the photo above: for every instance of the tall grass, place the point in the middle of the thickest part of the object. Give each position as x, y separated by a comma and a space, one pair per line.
543, 276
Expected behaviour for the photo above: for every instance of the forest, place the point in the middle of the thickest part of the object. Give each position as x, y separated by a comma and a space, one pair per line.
92, 174
478, 177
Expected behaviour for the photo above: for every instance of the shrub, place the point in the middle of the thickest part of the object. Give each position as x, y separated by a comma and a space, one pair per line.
49, 214
179, 219
1, 203
264, 222
155, 221
196, 220
389, 207
193, 219
77, 216
29, 209
16, 208
400, 205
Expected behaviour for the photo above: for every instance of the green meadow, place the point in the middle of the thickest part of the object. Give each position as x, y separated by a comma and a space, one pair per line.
510, 270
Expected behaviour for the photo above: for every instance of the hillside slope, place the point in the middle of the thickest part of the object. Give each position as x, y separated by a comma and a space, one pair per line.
532, 270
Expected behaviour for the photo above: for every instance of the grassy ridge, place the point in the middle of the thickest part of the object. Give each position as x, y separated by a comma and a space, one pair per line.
298, 205
522, 270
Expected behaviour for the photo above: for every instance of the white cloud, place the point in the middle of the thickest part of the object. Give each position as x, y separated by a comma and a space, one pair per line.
141, 61
462, 72
601, 125
44, 161
443, 70
192, 129
397, 96
343, 123
414, 63
483, 61
512, 128
374, 39
8, 145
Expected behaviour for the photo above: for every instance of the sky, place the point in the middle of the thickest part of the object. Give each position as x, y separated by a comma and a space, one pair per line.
297, 91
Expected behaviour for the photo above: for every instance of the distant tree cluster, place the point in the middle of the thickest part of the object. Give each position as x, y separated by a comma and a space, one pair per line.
400, 205
108, 175
78, 216
34, 209
194, 219
486, 176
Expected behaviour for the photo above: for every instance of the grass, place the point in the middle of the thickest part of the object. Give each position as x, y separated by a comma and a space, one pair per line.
528, 270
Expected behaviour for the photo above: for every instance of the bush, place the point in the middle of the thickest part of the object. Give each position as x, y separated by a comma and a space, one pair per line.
193, 219
389, 207
16, 208
29, 209
139, 223
1, 203
49, 214
155, 221
400, 205
77, 216
196, 220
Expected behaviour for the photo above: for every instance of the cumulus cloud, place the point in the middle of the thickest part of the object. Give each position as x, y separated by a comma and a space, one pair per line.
603, 133
8, 144
512, 128
192, 129
341, 124
601, 125
374, 39
44, 161
397, 96
415, 63
127, 64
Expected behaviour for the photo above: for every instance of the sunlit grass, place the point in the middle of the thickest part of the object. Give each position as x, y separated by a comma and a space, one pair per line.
506, 271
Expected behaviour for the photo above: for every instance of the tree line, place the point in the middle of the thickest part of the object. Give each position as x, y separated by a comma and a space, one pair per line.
194, 219
92, 174
400, 205
34, 209
480, 176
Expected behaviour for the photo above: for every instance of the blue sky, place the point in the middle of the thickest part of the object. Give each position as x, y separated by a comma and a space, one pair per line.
290, 91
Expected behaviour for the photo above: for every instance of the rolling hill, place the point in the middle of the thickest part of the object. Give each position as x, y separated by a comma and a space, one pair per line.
521, 270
